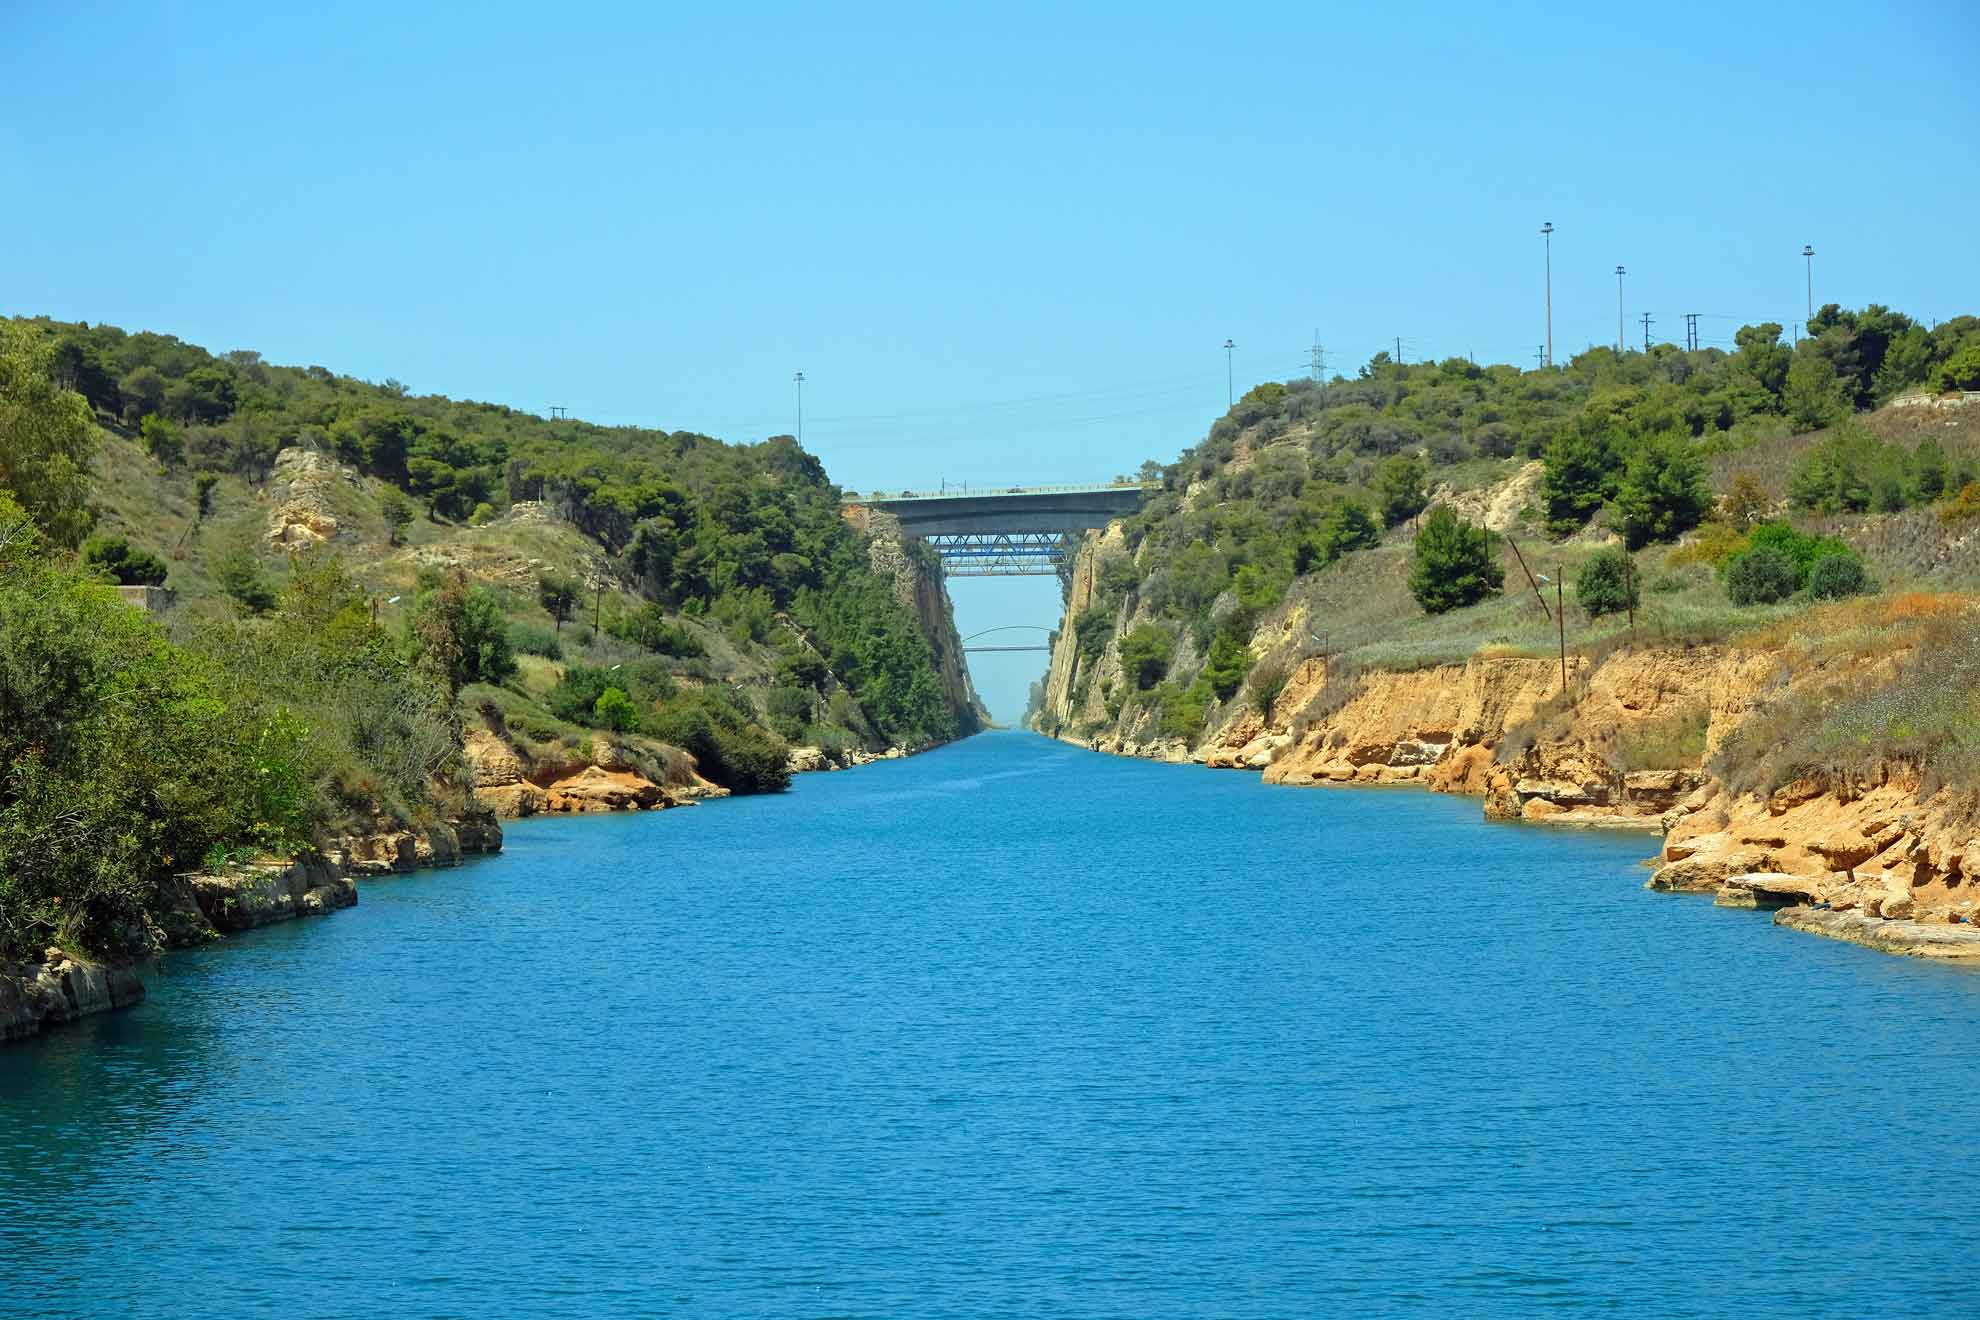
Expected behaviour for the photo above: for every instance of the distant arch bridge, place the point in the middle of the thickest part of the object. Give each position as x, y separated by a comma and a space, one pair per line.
1007, 628
1013, 531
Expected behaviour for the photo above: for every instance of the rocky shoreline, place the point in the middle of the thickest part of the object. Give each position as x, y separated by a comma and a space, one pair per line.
1878, 864
216, 901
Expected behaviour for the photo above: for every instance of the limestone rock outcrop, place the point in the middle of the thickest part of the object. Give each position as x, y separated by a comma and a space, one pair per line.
1877, 852
60, 988
606, 776
244, 895
304, 487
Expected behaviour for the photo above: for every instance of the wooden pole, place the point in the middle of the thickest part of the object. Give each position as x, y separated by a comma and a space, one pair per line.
1560, 621
1629, 585
1529, 577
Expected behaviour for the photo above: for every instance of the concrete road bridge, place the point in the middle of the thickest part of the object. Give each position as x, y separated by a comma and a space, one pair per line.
1012, 531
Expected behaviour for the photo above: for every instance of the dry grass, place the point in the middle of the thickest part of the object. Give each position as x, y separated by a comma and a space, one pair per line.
1855, 717
1676, 742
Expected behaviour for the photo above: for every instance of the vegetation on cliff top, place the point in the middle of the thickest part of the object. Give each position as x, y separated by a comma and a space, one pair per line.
680, 534
1739, 456
303, 691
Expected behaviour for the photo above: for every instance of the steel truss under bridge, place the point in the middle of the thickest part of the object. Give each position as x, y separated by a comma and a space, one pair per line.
999, 554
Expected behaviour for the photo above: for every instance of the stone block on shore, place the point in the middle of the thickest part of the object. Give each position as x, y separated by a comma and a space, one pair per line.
1917, 939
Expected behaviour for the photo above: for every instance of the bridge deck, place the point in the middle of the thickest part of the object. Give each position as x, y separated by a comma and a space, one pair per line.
881, 497
1011, 530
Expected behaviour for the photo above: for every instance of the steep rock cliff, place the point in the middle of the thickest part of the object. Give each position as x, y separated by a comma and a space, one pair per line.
918, 584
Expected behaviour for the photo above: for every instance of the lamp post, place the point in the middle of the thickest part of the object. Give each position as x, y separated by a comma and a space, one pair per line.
1230, 393
798, 380
1547, 235
1619, 311
1808, 258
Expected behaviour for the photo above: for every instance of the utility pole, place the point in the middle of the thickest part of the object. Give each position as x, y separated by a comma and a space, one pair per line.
1230, 391
1547, 233
1539, 356
1537, 593
799, 381
1319, 365
1691, 332
1560, 619
1619, 311
1808, 259
1399, 350
1629, 590
557, 411
1646, 332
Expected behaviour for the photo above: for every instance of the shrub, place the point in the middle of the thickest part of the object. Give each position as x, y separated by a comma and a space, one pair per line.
397, 511
142, 755
1799, 547
614, 710
131, 567
460, 634
802, 669
648, 627
162, 441
1962, 370
1145, 655
1676, 742
1179, 710
1268, 681
1963, 507
1093, 631
240, 575
1228, 662
1747, 504
558, 595
533, 639
1607, 583
1760, 576
575, 698
1834, 577
789, 711
1715, 543
1453, 564
741, 756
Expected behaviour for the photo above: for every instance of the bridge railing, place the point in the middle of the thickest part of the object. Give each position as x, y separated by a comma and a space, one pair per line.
969, 493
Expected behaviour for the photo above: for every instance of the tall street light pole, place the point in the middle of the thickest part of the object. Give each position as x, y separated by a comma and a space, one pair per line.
799, 381
1619, 311
1230, 393
1547, 234
1808, 257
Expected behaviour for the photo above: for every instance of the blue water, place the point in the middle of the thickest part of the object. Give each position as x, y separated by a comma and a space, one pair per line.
1010, 1030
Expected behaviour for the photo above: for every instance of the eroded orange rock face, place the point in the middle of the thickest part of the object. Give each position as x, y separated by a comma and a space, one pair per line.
1402, 727
1877, 850
607, 778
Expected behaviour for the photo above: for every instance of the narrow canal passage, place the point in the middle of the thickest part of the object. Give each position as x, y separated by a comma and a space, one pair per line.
1007, 1029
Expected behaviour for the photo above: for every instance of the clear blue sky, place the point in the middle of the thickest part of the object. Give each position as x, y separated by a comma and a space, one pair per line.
1004, 247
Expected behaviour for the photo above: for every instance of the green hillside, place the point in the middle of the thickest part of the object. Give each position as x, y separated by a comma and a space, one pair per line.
1312, 496
359, 574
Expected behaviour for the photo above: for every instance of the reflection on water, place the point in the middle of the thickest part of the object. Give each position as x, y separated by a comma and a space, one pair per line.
1007, 1029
